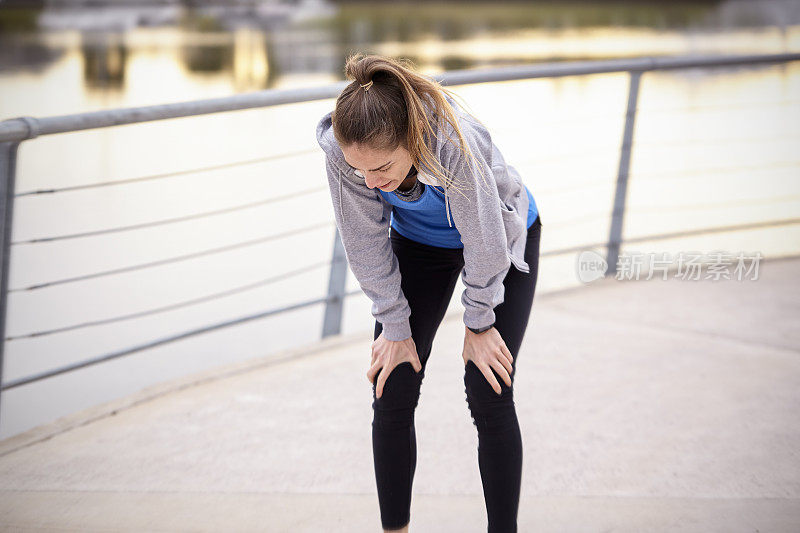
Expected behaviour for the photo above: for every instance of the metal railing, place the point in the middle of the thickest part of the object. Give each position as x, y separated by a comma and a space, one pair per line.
17, 130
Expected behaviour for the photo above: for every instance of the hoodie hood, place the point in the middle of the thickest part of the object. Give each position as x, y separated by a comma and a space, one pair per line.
333, 152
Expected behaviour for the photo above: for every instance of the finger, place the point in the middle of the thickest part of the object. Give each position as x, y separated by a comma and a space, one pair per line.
502, 358
487, 373
384, 375
416, 363
506, 352
497, 364
373, 369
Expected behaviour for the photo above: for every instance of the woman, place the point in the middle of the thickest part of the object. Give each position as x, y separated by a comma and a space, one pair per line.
421, 195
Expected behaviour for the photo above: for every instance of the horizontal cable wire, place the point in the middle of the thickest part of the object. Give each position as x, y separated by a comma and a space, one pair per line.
173, 220
660, 143
168, 174
582, 118
712, 205
599, 149
672, 235
180, 305
699, 107
613, 147
165, 340
175, 259
666, 174
590, 218
604, 149
693, 173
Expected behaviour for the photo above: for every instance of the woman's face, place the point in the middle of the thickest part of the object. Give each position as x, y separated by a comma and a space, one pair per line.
383, 169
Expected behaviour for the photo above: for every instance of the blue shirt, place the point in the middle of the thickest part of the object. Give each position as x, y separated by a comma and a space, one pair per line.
423, 220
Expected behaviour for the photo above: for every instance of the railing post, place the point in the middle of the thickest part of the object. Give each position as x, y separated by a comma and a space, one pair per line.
618, 215
8, 166
332, 323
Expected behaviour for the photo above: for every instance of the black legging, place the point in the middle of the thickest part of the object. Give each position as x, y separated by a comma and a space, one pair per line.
429, 276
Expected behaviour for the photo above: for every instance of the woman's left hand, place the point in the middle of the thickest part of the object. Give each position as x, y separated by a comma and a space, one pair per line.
487, 350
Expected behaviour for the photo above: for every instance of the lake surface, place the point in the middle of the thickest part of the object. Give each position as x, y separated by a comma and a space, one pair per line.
130, 248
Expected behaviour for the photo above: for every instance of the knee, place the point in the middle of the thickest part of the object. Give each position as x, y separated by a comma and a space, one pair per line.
395, 408
490, 411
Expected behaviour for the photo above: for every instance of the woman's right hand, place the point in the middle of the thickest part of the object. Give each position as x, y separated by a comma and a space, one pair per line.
388, 354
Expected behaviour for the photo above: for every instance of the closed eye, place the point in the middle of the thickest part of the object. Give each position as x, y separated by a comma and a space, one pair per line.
382, 170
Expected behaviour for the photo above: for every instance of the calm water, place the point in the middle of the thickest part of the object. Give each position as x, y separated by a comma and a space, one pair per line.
711, 148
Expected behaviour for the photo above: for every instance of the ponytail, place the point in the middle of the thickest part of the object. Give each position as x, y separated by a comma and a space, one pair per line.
399, 108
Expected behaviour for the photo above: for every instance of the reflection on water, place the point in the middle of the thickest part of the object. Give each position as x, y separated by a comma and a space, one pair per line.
104, 61
261, 45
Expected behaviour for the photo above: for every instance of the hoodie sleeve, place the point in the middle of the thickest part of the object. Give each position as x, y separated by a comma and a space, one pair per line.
476, 209
363, 222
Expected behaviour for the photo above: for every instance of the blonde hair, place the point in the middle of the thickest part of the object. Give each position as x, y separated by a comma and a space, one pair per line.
392, 112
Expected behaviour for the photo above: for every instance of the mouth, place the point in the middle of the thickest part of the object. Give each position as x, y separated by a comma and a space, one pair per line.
384, 185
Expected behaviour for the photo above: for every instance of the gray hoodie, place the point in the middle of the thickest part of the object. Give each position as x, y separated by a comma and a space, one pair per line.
492, 222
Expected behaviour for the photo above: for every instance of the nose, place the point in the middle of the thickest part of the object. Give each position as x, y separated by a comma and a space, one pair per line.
370, 181
374, 180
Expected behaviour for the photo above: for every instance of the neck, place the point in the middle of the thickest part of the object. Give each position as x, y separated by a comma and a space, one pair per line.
411, 179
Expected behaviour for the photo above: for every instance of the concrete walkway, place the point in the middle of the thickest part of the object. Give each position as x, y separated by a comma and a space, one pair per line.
645, 406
